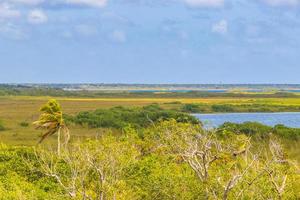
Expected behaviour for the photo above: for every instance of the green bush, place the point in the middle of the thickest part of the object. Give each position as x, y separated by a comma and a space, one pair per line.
19, 181
193, 108
259, 130
24, 124
120, 117
222, 108
286, 132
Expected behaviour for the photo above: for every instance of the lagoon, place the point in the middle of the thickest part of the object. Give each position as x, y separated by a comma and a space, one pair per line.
290, 119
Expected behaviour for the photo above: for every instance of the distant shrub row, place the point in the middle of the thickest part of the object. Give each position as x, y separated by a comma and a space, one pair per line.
20, 90
120, 117
225, 108
260, 131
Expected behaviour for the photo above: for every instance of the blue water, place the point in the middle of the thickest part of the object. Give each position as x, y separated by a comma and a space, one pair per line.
290, 119
297, 91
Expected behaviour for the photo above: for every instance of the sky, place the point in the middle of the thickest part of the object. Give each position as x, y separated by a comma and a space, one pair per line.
150, 41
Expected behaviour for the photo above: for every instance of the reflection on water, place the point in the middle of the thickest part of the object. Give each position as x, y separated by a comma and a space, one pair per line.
288, 118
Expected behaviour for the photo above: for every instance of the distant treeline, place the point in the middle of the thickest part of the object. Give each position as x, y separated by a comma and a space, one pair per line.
231, 108
120, 117
19, 90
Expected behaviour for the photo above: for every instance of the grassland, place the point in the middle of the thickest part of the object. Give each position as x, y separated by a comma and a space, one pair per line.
15, 110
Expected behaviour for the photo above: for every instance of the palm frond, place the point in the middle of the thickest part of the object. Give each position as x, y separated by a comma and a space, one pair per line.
51, 120
47, 134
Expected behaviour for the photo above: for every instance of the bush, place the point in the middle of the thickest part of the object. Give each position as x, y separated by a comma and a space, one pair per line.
24, 124
193, 108
260, 130
19, 181
222, 108
120, 117
286, 132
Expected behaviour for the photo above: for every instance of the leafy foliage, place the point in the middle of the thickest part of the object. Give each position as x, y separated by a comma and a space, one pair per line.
53, 122
261, 131
24, 124
193, 108
120, 117
238, 108
158, 162
18, 181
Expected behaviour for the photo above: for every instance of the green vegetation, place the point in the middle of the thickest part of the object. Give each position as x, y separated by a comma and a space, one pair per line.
20, 90
121, 117
261, 131
157, 153
51, 120
24, 124
19, 181
225, 108
2, 128
193, 108
164, 161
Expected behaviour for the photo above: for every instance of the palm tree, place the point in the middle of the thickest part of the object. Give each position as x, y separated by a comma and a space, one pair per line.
52, 121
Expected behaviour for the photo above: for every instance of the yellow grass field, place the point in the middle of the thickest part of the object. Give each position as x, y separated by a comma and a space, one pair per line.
14, 110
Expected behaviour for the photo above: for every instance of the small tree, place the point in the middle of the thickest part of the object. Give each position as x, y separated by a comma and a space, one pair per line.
94, 169
209, 157
52, 121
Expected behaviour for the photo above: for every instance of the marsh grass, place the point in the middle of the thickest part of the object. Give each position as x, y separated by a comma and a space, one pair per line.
2, 128
17, 109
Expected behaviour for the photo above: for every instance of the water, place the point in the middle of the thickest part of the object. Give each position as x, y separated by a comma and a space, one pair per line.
290, 119
296, 91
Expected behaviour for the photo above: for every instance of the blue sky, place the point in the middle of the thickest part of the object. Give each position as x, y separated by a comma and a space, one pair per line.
150, 41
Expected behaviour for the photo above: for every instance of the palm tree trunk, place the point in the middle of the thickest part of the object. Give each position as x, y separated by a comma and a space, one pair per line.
58, 142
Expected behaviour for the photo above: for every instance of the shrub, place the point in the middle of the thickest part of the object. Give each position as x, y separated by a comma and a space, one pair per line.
192, 108
260, 130
222, 108
286, 132
24, 124
120, 117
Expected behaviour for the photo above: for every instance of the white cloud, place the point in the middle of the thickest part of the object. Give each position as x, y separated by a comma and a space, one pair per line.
27, 2
37, 16
6, 11
119, 36
93, 3
282, 2
204, 3
220, 27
